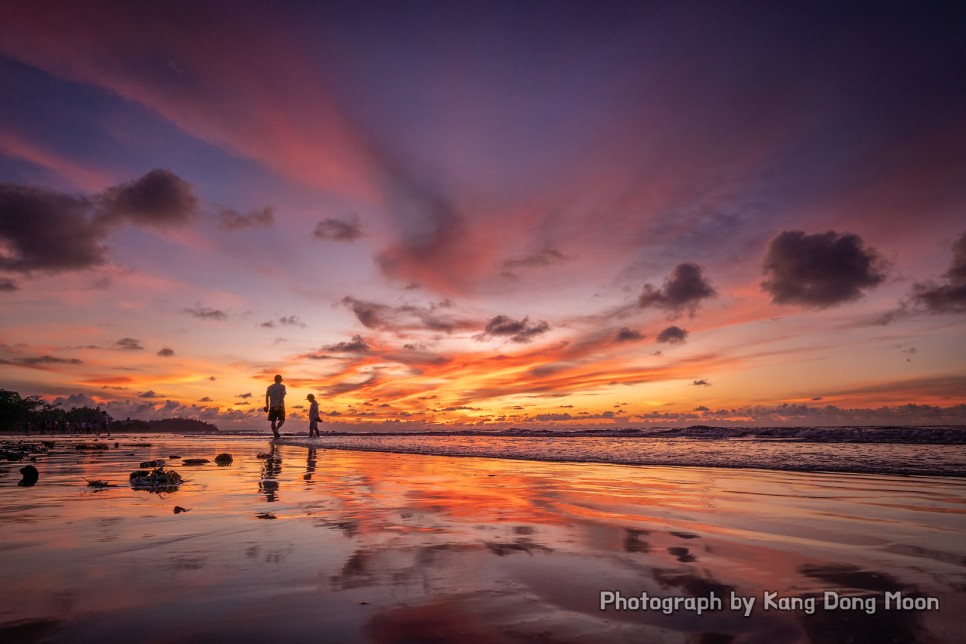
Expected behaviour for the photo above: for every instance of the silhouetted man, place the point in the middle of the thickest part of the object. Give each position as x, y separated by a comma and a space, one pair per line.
275, 405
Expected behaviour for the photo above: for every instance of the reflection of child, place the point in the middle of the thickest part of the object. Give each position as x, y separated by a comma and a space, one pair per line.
313, 415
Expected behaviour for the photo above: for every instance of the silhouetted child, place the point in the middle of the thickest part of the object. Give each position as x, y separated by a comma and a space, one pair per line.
313, 415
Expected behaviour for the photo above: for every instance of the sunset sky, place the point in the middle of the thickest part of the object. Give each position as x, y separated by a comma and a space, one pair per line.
561, 214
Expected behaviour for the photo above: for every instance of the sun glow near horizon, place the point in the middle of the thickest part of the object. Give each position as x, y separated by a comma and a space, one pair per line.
428, 231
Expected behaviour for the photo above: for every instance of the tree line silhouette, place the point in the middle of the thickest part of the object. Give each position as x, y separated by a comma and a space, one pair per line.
32, 414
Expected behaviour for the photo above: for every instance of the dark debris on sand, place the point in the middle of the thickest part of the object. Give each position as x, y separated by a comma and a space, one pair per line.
158, 480
21, 451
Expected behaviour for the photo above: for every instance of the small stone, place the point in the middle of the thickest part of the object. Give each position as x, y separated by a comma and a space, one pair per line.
30, 476
223, 459
178, 509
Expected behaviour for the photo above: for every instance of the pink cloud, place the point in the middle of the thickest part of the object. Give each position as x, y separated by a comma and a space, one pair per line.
231, 79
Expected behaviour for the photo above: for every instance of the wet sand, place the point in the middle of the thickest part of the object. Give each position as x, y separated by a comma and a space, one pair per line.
381, 547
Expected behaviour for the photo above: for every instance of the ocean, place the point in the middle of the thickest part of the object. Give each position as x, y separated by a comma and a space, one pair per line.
926, 451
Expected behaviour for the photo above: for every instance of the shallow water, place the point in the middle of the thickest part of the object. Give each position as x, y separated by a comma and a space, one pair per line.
388, 547
755, 452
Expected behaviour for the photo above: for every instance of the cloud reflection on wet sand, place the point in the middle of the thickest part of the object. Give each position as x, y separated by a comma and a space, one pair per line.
393, 548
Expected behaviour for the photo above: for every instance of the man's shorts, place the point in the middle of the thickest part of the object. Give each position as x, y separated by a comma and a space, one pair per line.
276, 413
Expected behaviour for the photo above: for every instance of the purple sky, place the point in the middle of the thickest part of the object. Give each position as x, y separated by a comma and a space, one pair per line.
492, 214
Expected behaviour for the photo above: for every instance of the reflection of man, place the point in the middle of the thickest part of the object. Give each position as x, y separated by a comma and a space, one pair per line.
268, 485
275, 405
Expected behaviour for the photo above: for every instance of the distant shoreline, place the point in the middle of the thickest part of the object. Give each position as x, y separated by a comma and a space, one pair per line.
911, 434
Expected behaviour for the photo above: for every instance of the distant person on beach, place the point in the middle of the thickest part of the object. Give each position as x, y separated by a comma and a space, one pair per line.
313, 415
275, 405
104, 422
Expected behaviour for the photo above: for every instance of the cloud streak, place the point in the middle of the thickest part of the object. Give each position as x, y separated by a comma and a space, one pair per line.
340, 230
407, 317
232, 220
206, 313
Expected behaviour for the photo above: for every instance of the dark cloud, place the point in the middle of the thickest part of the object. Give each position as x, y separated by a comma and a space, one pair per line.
205, 399
628, 335
333, 229
701, 408
286, 320
8, 285
245, 395
129, 344
515, 330
166, 352
230, 219
47, 231
158, 198
821, 270
949, 297
150, 394
206, 313
701, 383
550, 417
356, 345
672, 335
373, 315
683, 290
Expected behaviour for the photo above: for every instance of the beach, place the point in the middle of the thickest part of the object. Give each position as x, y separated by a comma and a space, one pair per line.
304, 543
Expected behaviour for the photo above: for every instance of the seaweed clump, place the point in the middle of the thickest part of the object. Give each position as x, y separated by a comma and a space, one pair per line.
157, 480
